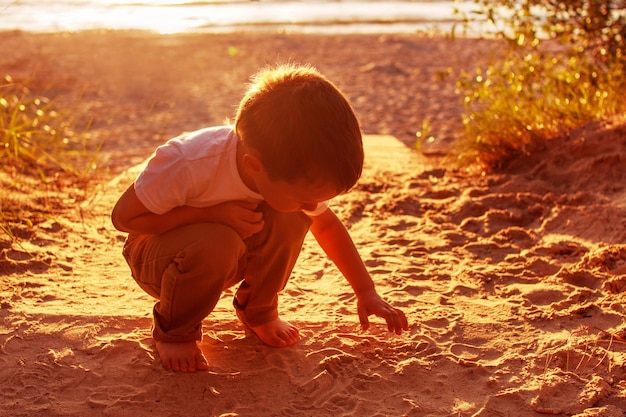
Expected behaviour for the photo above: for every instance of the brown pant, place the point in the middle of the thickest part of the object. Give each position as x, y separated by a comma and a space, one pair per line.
187, 269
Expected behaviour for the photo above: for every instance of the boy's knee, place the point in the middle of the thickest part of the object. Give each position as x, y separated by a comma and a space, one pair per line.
212, 245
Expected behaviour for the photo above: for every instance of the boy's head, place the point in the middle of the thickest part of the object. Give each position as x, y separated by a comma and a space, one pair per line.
302, 127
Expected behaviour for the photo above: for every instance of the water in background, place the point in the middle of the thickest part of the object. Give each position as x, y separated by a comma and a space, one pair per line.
175, 16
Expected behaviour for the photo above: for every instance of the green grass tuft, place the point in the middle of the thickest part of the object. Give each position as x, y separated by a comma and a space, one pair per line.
36, 137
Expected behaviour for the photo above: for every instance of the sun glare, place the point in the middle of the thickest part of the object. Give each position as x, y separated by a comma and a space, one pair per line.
170, 16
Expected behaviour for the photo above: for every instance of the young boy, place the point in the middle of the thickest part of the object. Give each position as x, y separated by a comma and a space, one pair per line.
228, 205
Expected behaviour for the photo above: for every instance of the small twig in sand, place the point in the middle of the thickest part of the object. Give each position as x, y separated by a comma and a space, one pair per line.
552, 411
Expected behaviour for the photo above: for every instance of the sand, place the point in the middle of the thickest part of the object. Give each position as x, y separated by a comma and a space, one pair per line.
514, 282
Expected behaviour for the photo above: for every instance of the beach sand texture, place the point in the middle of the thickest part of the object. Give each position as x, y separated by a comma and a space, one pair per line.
514, 283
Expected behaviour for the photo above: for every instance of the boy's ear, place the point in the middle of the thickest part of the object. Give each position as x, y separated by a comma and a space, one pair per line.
252, 164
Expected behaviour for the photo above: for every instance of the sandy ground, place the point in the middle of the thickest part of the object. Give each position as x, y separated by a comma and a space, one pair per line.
514, 283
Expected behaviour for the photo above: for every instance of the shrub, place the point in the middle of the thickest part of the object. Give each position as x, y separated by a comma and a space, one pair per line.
562, 66
37, 141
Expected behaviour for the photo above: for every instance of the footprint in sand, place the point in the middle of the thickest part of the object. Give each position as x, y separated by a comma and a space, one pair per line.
610, 259
582, 278
467, 354
120, 396
331, 387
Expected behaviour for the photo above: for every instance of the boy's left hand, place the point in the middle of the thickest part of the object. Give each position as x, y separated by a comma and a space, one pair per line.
369, 303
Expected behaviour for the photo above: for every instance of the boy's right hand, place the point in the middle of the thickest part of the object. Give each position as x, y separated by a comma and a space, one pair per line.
131, 215
239, 215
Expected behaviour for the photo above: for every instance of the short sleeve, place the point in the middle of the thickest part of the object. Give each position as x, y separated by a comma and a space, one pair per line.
321, 207
164, 183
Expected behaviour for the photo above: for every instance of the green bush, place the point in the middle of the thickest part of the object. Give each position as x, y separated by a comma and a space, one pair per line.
39, 152
563, 66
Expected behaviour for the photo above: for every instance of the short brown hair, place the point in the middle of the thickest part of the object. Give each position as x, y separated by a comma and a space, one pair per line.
302, 126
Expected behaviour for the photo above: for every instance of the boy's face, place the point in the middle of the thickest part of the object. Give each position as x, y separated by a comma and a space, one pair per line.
287, 197
281, 195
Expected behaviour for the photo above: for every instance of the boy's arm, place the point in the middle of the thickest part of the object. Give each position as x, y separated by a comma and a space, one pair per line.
334, 239
131, 215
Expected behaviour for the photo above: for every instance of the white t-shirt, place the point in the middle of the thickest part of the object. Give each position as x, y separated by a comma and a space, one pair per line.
197, 169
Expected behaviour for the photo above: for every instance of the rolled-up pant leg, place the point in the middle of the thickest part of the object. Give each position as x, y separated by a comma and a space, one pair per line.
272, 254
186, 269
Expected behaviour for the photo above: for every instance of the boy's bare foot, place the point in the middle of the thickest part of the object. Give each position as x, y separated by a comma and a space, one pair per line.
277, 333
182, 357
